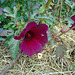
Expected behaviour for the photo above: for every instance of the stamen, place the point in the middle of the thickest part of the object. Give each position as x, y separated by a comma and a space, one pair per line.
28, 35
42, 34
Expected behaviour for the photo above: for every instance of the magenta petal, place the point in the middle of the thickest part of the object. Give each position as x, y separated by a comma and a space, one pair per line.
73, 18
42, 38
41, 28
34, 37
30, 25
21, 35
31, 47
20, 46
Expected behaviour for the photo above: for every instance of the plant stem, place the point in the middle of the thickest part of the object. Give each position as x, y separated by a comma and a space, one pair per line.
60, 10
54, 73
56, 8
30, 10
66, 31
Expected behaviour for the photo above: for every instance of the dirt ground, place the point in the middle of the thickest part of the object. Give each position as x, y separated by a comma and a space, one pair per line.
47, 65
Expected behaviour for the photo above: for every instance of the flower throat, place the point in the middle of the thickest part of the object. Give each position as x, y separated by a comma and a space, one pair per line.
28, 35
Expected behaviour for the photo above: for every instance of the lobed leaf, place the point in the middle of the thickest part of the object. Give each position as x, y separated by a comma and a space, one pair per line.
42, 9
14, 47
60, 50
8, 10
15, 11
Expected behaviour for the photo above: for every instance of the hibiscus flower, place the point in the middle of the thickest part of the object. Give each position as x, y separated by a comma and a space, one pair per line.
34, 38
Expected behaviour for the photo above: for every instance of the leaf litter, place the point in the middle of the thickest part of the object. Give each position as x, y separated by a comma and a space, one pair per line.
49, 62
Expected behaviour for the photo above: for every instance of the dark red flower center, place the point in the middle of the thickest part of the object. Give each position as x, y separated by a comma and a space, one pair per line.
28, 35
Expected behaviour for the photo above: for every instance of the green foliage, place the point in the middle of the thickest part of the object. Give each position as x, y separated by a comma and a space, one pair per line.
42, 8
73, 65
2, 39
49, 38
2, 17
50, 20
14, 46
68, 2
70, 22
10, 13
15, 16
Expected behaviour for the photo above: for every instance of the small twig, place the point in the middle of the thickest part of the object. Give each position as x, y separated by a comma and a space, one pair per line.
30, 10
16, 20
52, 73
48, 3
10, 65
54, 68
56, 63
60, 10
56, 7
30, 70
70, 38
66, 31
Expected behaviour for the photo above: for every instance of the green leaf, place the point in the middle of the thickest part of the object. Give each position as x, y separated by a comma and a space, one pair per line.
42, 9
70, 4
13, 4
2, 17
70, 22
73, 65
52, 42
6, 26
48, 21
33, 15
15, 11
13, 26
73, 5
1, 30
49, 38
2, 39
11, 15
8, 10
60, 50
43, 17
48, 3
14, 47
11, 23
